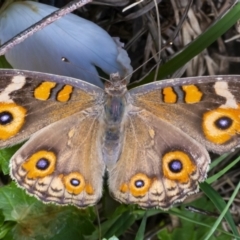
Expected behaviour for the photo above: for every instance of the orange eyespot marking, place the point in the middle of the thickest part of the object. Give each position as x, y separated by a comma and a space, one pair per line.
139, 185
43, 91
74, 183
192, 94
89, 189
124, 188
221, 124
65, 94
12, 118
177, 166
40, 164
169, 96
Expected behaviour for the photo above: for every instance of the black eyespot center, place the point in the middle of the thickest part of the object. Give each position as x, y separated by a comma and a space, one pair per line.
5, 118
139, 183
42, 164
75, 182
175, 166
223, 122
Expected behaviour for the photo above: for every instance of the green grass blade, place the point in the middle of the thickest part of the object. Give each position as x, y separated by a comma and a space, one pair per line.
217, 161
225, 210
223, 171
220, 205
141, 230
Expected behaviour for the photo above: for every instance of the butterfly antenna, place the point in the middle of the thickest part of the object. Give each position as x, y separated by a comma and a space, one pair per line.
153, 56
152, 68
66, 60
73, 5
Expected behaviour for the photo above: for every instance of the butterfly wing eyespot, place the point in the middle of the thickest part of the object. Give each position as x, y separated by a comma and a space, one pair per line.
138, 185
40, 164
177, 166
219, 125
74, 182
12, 119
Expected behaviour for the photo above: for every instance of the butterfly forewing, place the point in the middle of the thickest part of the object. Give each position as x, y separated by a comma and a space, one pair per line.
30, 101
206, 108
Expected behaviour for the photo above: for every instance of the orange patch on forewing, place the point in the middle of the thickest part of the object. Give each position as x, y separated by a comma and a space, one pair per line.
188, 167
70, 187
89, 189
43, 91
139, 191
65, 94
31, 168
192, 94
169, 96
216, 135
18, 114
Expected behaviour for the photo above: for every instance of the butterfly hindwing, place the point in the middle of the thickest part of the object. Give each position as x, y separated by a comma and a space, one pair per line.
159, 164
62, 163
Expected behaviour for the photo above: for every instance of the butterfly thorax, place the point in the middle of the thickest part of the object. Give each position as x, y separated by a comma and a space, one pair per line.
116, 86
115, 101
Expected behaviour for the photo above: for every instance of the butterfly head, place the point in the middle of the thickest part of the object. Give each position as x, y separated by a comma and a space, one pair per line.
116, 86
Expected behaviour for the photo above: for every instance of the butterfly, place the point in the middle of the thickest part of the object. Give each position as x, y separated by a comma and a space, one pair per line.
151, 141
